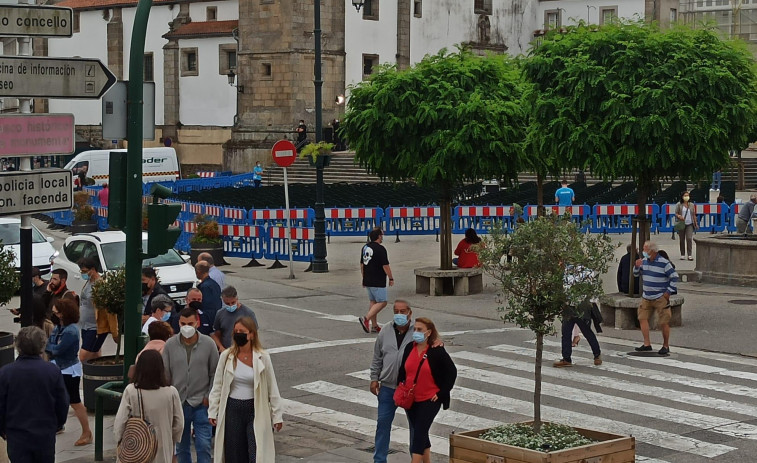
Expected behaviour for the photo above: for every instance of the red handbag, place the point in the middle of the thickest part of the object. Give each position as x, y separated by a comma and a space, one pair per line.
404, 395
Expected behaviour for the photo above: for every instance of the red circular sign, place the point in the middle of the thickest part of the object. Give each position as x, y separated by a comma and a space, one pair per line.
284, 153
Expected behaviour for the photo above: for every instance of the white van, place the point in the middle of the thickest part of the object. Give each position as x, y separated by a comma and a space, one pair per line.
158, 164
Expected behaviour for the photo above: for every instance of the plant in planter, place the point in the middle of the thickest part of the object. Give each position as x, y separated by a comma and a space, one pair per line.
318, 150
84, 214
8, 276
535, 295
9, 285
109, 293
206, 239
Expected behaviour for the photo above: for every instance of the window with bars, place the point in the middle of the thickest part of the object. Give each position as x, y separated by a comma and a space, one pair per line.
189, 62
149, 68
482, 6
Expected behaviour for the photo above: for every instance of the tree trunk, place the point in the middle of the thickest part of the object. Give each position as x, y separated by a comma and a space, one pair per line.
445, 231
540, 195
641, 234
537, 382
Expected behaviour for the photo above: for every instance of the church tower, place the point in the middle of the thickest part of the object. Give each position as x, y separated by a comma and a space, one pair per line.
275, 67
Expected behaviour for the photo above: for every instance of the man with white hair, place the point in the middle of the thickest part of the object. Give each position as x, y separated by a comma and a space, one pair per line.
745, 214
659, 280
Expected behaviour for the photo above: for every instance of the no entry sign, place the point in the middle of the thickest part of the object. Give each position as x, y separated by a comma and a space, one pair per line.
284, 153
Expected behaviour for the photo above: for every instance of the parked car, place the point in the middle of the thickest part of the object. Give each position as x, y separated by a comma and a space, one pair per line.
109, 251
42, 250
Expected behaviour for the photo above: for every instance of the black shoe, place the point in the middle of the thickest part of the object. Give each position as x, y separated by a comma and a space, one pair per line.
644, 348
664, 351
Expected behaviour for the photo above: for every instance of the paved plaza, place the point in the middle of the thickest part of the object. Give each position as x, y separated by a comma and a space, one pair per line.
697, 405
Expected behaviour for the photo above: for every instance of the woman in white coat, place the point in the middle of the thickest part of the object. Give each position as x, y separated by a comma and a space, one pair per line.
245, 405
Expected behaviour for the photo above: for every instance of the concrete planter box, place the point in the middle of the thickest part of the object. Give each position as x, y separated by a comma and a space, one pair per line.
466, 447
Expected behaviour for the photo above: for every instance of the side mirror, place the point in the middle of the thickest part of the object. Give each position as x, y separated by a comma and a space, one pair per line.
50, 239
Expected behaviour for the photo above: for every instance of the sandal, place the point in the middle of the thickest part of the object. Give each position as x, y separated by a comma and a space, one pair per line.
84, 440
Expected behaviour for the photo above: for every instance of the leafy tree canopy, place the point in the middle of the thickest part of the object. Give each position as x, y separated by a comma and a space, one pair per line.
452, 117
9, 282
628, 99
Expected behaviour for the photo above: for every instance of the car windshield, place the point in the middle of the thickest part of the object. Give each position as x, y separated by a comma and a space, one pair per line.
114, 255
10, 233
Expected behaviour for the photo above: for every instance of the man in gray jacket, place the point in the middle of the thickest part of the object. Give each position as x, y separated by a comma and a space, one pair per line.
190, 359
387, 359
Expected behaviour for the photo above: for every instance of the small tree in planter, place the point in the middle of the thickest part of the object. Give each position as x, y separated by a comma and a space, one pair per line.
84, 214
206, 239
109, 293
9, 283
533, 286
317, 150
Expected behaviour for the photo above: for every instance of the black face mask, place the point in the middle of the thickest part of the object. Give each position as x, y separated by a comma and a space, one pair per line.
55, 319
145, 289
195, 305
240, 339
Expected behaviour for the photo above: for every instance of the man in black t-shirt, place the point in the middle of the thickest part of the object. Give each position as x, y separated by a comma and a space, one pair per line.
374, 267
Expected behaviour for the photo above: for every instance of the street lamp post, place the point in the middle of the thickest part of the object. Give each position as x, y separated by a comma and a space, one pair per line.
320, 264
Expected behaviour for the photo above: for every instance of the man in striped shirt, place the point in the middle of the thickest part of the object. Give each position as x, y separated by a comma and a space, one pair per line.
659, 282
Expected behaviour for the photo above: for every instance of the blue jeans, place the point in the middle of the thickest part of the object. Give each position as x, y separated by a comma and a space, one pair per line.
386, 410
199, 417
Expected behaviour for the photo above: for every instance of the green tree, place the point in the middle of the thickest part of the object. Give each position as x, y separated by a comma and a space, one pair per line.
452, 118
631, 100
546, 252
9, 283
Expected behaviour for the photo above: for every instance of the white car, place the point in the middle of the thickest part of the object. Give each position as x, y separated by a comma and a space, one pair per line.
42, 250
109, 251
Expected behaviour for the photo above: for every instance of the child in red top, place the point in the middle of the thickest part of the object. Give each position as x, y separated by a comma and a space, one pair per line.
432, 389
468, 257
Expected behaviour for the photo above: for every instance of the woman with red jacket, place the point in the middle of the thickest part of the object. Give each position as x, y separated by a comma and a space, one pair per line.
435, 381
468, 258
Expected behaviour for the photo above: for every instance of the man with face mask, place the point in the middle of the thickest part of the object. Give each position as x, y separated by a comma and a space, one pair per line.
227, 317
150, 289
387, 358
190, 360
91, 341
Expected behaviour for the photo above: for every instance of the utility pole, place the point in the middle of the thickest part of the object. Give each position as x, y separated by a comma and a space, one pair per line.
25, 242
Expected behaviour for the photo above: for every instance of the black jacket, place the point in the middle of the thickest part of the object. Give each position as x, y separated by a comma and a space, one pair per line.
624, 273
33, 400
157, 289
442, 370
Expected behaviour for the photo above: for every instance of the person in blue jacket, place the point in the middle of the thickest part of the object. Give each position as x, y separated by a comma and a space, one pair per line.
63, 348
33, 401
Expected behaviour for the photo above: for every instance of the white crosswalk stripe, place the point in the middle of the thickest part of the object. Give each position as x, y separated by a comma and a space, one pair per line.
646, 373
630, 396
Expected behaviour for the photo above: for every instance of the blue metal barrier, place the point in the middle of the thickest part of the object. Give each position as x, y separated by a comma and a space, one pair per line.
412, 220
303, 240
710, 217
579, 213
483, 218
618, 218
243, 240
277, 217
352, 221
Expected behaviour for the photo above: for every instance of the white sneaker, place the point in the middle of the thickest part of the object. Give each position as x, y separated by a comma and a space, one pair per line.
683, 257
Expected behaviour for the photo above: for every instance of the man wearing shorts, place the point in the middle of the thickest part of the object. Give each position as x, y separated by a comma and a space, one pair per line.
91, 342
374, 267
659, 280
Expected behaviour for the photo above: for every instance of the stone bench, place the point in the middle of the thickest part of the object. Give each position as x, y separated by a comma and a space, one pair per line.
619, 311
458, 282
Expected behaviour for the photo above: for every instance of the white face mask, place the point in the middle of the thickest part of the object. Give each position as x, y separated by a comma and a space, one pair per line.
187, 331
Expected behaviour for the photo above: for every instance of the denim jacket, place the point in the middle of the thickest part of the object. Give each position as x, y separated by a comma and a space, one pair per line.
63, 345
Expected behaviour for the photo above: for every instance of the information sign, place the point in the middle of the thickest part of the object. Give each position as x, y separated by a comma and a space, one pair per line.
35, 77
36, 134
36, 191
35, 20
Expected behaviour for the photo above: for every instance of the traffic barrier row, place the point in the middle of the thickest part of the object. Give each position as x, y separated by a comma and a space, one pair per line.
219, 180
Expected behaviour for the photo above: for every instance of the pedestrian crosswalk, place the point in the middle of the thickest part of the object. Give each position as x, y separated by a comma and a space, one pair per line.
689, 404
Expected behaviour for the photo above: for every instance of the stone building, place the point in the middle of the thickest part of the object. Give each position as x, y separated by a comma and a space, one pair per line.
265, 49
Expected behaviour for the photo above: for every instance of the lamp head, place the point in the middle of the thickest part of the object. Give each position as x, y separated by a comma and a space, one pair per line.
159, 191
357, 4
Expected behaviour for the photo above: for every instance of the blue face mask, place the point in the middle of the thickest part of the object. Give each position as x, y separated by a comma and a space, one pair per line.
645, 254
85, 276
419, 337
230, 308
166, 316
400, 319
